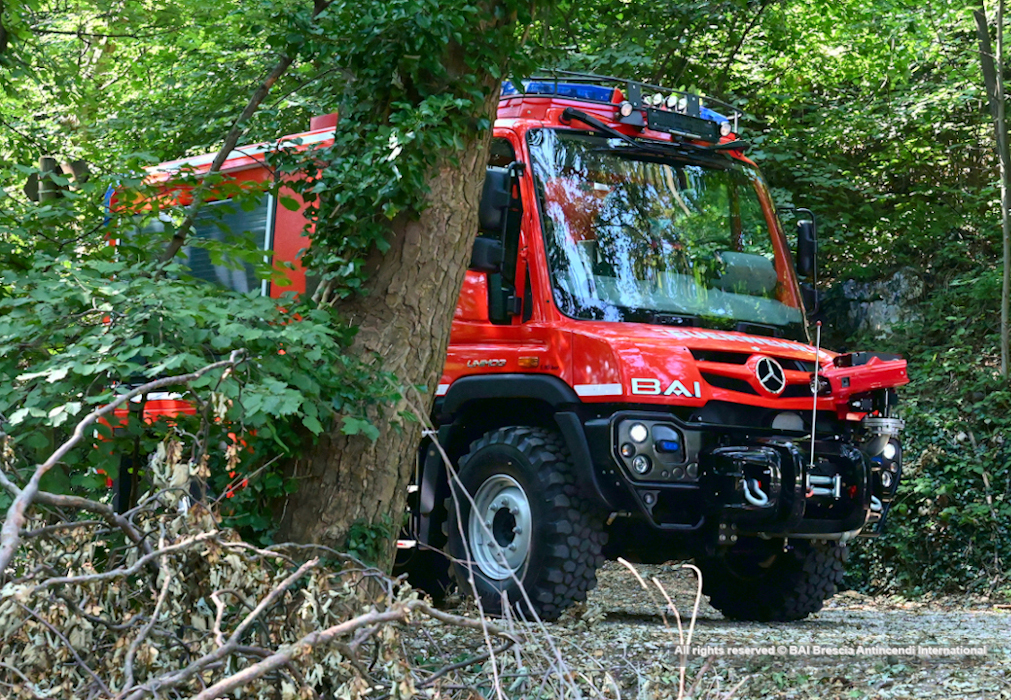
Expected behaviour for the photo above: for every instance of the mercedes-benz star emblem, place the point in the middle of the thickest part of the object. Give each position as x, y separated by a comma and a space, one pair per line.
770, 375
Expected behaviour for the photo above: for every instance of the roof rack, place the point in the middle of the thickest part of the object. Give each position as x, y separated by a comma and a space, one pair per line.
666, 109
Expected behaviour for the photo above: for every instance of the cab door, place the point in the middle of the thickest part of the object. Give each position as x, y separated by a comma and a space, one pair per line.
497, 328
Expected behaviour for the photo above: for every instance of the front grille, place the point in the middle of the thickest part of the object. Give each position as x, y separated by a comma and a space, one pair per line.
740, 358
729, 383
796, 391
727, 358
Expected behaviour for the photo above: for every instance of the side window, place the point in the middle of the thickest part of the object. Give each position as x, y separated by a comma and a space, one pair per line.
225, 222
502, 154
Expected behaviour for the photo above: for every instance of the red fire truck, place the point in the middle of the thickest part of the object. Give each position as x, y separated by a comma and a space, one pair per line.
630, 372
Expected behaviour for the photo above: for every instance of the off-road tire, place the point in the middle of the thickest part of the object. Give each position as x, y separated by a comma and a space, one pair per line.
759, 581
566, 531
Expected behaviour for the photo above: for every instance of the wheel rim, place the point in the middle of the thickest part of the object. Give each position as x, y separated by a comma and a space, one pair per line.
499, 527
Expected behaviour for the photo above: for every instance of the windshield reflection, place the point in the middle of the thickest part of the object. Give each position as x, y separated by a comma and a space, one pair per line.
630, 236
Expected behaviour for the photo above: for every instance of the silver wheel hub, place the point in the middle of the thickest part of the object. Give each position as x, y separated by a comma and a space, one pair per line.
499, 527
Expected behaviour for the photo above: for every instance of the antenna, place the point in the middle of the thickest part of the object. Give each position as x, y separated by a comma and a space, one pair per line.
815, 387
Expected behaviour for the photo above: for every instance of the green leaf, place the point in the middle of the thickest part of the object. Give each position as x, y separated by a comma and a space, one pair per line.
356, 426
312, 424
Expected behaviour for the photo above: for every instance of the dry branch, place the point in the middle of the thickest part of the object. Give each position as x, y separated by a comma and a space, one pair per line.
397, 613
10, 535
234, 134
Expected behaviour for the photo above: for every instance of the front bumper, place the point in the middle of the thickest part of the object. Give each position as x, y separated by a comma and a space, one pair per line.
748, 480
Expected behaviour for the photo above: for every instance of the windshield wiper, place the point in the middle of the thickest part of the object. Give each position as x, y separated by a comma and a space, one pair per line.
668, 319
570, 113
738, 145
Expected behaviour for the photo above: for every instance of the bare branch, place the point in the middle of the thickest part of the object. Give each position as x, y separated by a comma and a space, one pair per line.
16, 514
480, 658
270, 598
284, 655
145, 630
201, 192
78, 503
134, 568
70, 647
50, 529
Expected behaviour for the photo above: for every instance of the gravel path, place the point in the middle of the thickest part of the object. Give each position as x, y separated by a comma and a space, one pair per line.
621, 644
857, 647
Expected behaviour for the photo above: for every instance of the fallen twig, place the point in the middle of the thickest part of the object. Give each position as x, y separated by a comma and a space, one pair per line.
16, 514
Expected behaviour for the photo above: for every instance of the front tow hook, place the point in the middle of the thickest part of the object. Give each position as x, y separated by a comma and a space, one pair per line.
824, 486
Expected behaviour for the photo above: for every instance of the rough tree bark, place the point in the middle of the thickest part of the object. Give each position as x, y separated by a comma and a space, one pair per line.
405, 318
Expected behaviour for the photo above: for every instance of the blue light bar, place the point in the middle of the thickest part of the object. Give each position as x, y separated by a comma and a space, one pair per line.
710, 115
579, 91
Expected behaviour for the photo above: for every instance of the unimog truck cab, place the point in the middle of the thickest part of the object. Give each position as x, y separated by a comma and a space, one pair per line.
630, 371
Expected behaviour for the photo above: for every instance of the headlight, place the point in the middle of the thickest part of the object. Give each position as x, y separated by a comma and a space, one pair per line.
638, 433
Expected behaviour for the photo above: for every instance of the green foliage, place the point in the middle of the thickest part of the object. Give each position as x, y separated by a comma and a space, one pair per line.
415, 82
421, 81
949, 528
81, 321
85, 79
369, 541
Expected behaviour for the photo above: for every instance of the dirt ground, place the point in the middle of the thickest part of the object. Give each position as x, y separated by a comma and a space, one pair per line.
620, 644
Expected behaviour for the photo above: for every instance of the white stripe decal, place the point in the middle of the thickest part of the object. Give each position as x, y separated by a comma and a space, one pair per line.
243, 151
159, 396
598, 389
441, 389
163, 396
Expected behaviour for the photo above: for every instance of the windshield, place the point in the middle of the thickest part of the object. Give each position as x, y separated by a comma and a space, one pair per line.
633, 235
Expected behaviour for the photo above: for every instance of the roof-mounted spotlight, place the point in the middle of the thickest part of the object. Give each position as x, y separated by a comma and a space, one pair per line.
683, 104
625, 109
657, 99
672, 101
724, 128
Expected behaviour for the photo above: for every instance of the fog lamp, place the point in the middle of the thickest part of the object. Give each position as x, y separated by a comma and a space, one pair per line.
641, 464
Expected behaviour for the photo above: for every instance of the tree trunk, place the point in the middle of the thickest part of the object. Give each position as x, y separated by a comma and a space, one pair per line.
404, 318
993, 80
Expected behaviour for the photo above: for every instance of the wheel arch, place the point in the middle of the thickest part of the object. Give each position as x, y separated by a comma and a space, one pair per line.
474, 405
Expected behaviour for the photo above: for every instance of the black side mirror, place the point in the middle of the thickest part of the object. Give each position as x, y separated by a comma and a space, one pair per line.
807, 247
809, 295
486, 255
495, 198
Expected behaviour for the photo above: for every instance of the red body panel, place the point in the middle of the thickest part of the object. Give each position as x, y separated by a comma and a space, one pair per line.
604, 362
600, 359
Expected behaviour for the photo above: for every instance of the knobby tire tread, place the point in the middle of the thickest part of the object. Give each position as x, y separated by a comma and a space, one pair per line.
574, 530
